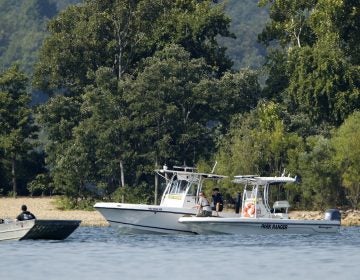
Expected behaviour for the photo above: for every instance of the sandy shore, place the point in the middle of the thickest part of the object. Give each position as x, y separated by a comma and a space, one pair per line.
44, 208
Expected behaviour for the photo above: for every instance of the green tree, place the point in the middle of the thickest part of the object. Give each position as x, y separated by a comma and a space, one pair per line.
59, 117
347, 23
118, 34
16, 122
105, 112
346, 142
320, 175
161, 115
326, 78
168, 111
258, 143
289, 22
288, 29
322, 84
316, 78
42, 183
233, 93
74, 169
106, 41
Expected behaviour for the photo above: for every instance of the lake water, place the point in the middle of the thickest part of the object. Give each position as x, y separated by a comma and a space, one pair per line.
103, 253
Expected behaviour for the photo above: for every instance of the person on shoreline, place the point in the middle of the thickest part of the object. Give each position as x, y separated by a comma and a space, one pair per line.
218, 202
203, 206
25, 215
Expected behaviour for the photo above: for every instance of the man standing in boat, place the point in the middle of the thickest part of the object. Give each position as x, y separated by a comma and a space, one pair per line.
218, 203
25, 215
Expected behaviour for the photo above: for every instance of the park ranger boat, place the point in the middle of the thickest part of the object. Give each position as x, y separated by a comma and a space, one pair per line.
257, 217
179, 199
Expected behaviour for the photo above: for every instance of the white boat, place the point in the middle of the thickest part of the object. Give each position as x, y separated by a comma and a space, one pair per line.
14, 230
257, 217
178, 200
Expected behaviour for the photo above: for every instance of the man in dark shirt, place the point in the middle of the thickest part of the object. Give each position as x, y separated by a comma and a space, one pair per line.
218, 203
25, 215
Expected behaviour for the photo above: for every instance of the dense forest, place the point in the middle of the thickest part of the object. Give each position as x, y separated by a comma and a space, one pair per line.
260, 87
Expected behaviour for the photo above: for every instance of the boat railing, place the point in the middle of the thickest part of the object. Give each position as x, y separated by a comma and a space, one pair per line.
257, 200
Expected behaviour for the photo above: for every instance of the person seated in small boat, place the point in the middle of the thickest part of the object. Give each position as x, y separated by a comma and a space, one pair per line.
203, 206
218, 202
25, 214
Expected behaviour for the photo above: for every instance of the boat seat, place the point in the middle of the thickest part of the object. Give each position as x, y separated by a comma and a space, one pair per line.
281, 204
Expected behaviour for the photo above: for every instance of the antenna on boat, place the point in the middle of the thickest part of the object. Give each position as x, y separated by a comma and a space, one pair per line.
213, 169
283, 174
185, 168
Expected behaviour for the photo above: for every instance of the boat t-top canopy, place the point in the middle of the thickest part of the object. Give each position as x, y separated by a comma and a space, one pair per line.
258, 180
183, 186
185, 173
255, 201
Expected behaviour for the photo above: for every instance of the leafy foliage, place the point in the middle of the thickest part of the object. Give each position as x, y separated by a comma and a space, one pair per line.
346, 143
257, 143
16, 122
319, 78
118, 34
321, 186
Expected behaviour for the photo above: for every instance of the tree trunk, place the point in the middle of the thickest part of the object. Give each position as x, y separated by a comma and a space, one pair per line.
122, 179
120, 58
156, 184
13, 174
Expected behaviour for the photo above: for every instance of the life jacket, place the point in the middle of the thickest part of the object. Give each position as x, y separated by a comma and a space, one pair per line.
26, 215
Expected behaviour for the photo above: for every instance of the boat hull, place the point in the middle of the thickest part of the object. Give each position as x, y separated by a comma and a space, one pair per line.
215, 225
15, 230
38, 229
51, 229
139, 218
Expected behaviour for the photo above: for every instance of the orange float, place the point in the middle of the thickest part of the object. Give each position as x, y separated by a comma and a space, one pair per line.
248, 210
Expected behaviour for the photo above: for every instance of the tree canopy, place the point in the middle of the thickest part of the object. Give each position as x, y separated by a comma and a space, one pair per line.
119, 34
16, 121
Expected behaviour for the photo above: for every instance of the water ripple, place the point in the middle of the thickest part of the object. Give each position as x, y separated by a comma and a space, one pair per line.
103, 253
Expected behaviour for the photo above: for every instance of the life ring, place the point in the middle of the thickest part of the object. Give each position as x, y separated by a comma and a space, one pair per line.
249, 210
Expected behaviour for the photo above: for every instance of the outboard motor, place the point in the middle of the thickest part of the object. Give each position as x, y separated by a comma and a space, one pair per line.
333, 215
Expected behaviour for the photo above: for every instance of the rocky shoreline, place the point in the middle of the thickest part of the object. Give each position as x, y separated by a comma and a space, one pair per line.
45, 208
348, 217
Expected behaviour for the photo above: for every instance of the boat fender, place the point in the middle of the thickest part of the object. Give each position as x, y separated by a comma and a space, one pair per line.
332, 215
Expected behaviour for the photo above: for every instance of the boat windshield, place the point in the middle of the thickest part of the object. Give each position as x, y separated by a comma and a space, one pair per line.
178, 186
